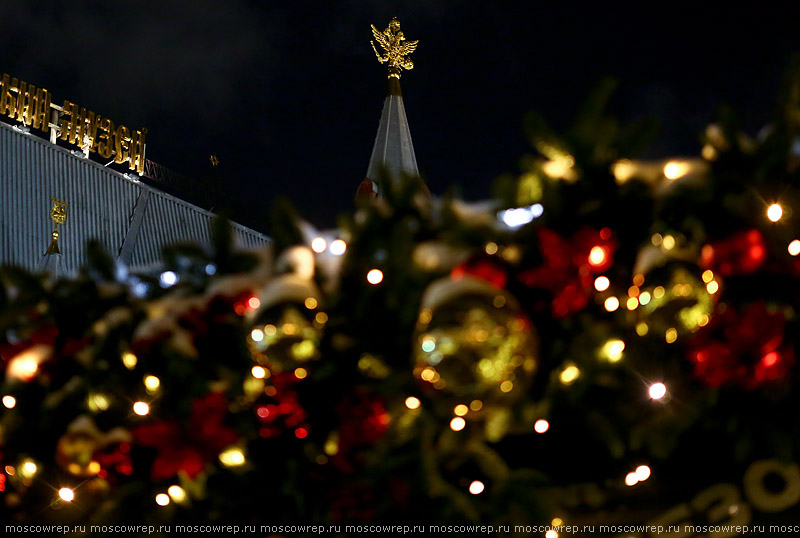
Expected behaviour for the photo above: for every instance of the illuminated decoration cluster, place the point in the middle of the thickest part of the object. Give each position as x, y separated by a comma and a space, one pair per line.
516, 360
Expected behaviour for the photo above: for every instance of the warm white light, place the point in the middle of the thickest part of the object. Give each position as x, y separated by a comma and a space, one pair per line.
631, 479
28, 468
232, 457
167, 279
552, 533
141, 408
9, 401
569, 374
259, 372
457, 424
177, 493
476, 487
794, 247
66, 494
774, 212
151, 383
597, 255
129, 360
613, 350
712, 287
319, 244
601, 283
24, 366
642, 473
611, 304
257, 335
541, 426
674, 170
338, 247
375, 276
412, 402
460, 410
657, 391
162, 499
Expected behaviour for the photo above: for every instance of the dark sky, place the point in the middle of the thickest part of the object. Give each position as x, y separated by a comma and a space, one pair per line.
288, 94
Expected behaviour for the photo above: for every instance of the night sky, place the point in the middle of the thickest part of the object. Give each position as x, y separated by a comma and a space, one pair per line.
288, 95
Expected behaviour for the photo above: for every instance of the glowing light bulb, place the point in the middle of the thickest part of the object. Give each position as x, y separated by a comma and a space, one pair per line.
300, 373
9, 401
774, 212
375, 276
25, 365
541, 426
476, 487
257, 335
597, 255
232, 457
28, 468
162, 499
457, 424
642, 473
644, 298
601, 283
141, 408
552, 533
460, 410
168, 279
712, 287
259, 372
310, 303
668, 243
657, 391
631, 479
253, 303
177, 493
674, 170
66, 494
570, 374
129, 360
151, 383
794, 247
412, 402
611, 304
613, 350
319, 245
338, 247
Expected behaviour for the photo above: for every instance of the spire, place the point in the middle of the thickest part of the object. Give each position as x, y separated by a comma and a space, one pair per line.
51, 261
393, 152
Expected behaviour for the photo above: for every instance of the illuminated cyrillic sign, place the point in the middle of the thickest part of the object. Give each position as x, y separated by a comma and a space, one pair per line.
71, 123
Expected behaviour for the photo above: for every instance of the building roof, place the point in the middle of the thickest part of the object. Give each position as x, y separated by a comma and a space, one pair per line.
133, 221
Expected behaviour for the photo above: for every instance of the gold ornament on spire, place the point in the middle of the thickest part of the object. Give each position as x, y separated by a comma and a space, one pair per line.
396, 48
58, 214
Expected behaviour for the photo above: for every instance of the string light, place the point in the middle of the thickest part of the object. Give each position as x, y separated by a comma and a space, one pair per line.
151, 383
412, 402
168, 279
601, 283
476, 487
319, 245
657, 391
674, 170
668, 243
162, 499
25, 365
338, 247
310, 303
457, 424
612, 350
712, 287
632, 303
232, 457
257, 335
375, 276
9, 401
631, 479
141, 408
644, 298
597, 256
642, 473
569, 374
671, 335
28, 468
774, 212
300, 373
460, 410
129, 360
259, 372
66, 494
476, 405
253, 303
541, 426
794, 247
611, 304
552, 533
177, 493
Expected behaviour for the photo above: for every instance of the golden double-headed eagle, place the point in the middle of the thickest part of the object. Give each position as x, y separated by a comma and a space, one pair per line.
396, 48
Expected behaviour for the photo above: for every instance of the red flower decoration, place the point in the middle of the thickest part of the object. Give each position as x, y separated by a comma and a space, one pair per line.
744, 349
191, 446
483, 268
569, 266
740, 254
286, 411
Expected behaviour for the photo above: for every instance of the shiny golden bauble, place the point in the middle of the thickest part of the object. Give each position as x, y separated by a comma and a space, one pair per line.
473, 343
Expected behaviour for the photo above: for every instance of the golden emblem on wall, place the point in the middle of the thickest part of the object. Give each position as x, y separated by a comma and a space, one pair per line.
396, 48
58, 214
